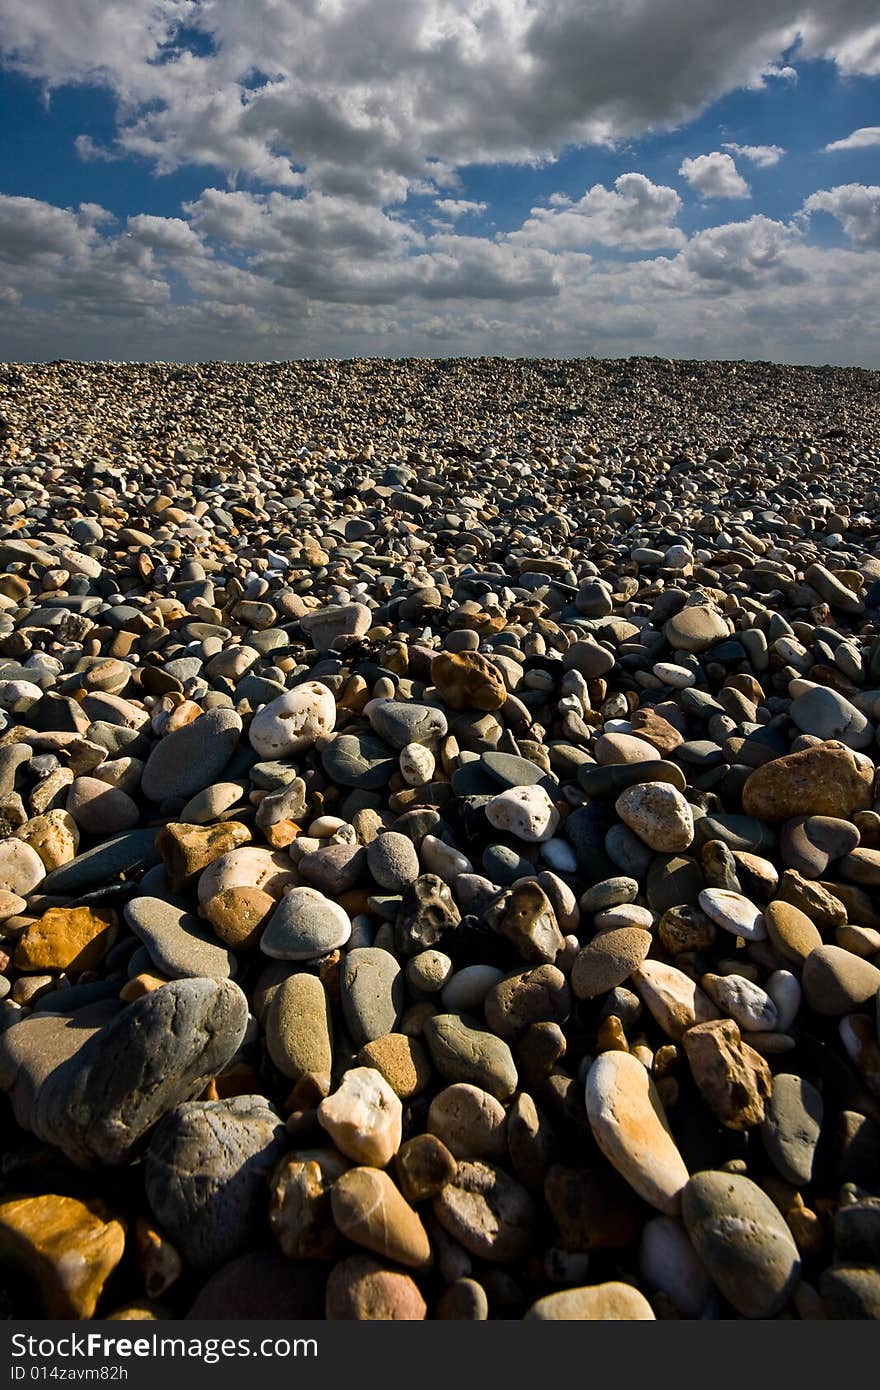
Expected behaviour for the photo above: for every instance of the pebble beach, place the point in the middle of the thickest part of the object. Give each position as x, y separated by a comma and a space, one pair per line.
439, 840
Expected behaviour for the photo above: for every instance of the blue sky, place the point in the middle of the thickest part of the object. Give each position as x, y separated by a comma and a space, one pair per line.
536, 177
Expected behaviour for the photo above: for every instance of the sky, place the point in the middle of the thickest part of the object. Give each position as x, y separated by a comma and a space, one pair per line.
210, 179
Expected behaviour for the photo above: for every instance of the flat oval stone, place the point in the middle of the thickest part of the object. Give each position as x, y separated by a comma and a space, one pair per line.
191, 758
609, 960
826, 714
463, 1053
372, 993
836, 981
179, 943
743, 1242
304, 925
734, 913
630, 1127
791, 1128
298, 1028
114, 860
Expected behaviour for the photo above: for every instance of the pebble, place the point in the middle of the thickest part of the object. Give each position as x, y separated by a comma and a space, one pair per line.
734, 912
369, 1210
178, 944
305, 924
658, 814
192, 757
293, 721
299, 1029
743, 1242
791, 1127
525, 812
594, 1303
363, 1117
205, 1174
631, 1129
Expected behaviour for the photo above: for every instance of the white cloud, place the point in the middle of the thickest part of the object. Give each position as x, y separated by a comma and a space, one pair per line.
861, 139
744, 255
360, 97
856, 207
714, 176
635, 215
763, 156
92, 153
459, 207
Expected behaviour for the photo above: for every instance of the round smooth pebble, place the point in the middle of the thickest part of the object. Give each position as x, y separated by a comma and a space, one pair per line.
305, 924
734, 913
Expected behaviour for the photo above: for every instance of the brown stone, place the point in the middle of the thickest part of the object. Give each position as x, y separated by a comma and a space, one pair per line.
468, 680
822, 906
524, 916
609, 960
159, 1262
487, 1212
360, 1290
424, 1165
685, 928
67, 938
54, 836
656, 730
69, 1247
187, 849
369, 1210
300, 1217
402, 1061
792, 935
732, 1077
611, 1302
821, 781
537, 995
238, 916
836, 982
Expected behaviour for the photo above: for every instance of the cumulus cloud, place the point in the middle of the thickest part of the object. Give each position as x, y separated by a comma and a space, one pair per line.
635, 215
714, 175
92, 153
371, 92
763, 156
861, 139
744, 255
856, 207
459, 207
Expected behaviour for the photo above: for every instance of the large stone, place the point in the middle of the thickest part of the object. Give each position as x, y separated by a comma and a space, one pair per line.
67, 938
205, 1175
733, 1078
67, 1246
822, 781
743, 1242
369, 1210
192, 757
96, 1092
630, 1127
